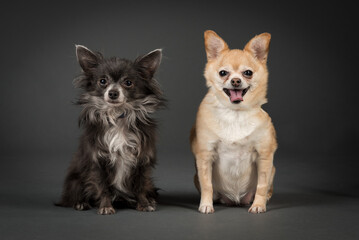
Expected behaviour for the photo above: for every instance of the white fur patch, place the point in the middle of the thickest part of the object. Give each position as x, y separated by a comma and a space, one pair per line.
235, 126
121, 147
234, 172
123, 169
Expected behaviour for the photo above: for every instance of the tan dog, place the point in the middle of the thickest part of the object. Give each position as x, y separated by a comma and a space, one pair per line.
233, 139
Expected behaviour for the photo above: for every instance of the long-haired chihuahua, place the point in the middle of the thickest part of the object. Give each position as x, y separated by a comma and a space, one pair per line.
116, 153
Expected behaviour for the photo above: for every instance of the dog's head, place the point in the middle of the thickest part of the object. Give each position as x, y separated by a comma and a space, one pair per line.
115, 82
238, 78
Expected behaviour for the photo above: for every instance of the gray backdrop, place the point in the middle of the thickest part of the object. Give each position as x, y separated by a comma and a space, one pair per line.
312, 101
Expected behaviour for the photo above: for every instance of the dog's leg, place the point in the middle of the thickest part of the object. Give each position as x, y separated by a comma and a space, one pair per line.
100, 179
196, 182
270, 192
105, 199
73, 194
204, 161
264, 168
81, 203
144, 190
106, 207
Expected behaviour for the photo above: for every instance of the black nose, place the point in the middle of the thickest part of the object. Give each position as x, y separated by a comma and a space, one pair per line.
113, 94
236, 82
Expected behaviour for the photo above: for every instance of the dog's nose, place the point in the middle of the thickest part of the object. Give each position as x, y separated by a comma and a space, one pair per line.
113, 94
236, 82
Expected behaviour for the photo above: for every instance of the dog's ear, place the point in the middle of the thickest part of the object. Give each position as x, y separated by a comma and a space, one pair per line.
86, 58
259, 46
148, 64
214, 45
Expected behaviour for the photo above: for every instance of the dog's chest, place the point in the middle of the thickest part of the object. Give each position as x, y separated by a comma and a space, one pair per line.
235, 127
236, 139
235, 158
115, 139
120, 145
233, 171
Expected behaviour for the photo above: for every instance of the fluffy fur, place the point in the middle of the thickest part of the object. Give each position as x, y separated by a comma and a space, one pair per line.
233, 139
117, 152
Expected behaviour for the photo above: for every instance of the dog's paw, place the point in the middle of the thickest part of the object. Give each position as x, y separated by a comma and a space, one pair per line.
152, 202
146, 208
82, 206
257, 208
106, 211
206, 209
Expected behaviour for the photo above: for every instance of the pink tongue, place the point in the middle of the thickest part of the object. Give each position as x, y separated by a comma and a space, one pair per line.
236, 95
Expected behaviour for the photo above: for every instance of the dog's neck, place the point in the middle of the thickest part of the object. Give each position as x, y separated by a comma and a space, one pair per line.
123, 115
112, 120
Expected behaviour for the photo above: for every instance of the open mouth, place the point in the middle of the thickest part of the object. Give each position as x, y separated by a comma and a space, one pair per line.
236, 95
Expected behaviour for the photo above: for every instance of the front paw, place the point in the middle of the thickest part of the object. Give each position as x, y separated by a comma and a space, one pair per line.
146, 208
152, 202
257, 208
106, 211
206, 209
82, 206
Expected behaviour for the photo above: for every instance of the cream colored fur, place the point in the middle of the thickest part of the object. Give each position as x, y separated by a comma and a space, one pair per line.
234, 144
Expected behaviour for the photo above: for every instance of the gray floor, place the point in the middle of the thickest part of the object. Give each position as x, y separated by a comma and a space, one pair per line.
312, 200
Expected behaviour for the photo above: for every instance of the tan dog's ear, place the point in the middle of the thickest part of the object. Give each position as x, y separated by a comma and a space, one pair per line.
259, 46
214, 44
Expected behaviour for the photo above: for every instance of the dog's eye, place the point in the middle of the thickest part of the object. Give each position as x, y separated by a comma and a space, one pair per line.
223, 73
248, 73
128, 83
103, 82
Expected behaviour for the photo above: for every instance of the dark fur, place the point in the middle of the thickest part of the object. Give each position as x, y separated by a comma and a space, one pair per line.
90, 181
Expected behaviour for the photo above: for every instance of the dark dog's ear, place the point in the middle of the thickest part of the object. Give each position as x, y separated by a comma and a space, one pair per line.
86, 58
148, 64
